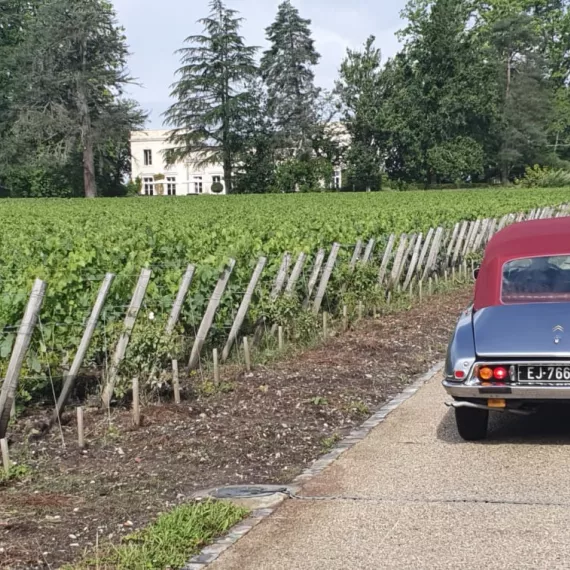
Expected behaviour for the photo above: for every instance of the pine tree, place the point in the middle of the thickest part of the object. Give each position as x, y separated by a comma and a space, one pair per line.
287, 70
211, 93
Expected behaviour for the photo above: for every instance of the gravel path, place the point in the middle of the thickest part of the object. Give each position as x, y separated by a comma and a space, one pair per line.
413, 495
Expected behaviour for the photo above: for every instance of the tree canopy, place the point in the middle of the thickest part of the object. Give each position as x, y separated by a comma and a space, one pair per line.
478, 93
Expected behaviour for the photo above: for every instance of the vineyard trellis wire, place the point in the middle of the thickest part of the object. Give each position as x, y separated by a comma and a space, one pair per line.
179, 332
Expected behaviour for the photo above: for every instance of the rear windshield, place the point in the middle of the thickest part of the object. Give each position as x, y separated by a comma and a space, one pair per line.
536, 280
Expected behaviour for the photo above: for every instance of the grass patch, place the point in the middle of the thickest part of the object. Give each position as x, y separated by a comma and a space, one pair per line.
169, 542
328, 443
208, 388
15, 473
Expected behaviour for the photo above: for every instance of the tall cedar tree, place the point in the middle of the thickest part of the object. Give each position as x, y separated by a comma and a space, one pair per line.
287, 70
211, 93
361, 91
72, 74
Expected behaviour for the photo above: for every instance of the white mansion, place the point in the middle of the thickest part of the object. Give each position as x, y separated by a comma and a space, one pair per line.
180, 179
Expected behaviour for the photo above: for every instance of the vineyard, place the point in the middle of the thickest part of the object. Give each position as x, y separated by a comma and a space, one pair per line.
72, 245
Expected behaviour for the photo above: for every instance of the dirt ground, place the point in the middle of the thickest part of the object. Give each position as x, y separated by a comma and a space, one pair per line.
264, 428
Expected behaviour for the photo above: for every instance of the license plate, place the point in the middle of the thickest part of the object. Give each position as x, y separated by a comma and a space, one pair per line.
544, 373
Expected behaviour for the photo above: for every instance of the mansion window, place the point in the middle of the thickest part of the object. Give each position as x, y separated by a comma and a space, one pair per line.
148, 157
171, 185
198, 185
148, 186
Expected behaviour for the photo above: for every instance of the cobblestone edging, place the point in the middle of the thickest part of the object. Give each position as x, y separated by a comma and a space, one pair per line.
212, 552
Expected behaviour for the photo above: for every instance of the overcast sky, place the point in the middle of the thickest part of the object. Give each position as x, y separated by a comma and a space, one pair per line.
157, 28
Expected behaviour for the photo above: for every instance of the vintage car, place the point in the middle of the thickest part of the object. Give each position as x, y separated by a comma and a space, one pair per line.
510, 350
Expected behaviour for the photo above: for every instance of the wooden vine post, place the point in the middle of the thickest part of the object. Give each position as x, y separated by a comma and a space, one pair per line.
386, 259
325, 278
319, 259
83, 346
244, 307
21, 345
179, 301
246, 354
368, 252
5, 456
296, 273
80, 428
177, 307
129, 325
209, 315
175, 382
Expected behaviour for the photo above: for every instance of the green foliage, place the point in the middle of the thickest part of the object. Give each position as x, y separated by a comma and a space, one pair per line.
133, 187
358, 408
72, 244
303, 175
217, 187
149, 349
256, 170
287, 71
544, 177
362, 93
456, 160
319, 401
16, 473
171, 540
69, 74
329, 442
361, 285
207, 388
211, 93
441, 96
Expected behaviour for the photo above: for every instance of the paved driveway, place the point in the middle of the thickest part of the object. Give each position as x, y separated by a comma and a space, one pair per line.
413, 495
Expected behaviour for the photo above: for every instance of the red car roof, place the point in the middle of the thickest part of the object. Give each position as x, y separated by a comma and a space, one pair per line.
522, 240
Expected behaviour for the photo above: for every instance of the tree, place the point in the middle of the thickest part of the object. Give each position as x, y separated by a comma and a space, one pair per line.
329, 141
210, 93
14, 18
362, 94
439, 95
255, 172
525, 100
287, 70
72, 73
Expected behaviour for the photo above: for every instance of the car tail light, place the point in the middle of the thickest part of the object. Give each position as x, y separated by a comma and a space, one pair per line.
497, 373
500, 373
485, 373
459, 374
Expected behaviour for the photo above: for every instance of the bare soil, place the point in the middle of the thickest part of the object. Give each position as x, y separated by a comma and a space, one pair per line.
265, 428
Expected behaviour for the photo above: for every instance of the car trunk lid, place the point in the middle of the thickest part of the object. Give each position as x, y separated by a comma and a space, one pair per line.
523, 331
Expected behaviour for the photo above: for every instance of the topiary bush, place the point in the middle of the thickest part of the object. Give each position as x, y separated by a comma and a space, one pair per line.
217, 188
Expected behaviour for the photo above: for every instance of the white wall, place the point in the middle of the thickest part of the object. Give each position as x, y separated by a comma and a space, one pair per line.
187, 175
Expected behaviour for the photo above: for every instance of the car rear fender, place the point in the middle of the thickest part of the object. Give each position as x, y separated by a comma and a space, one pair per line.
461, 348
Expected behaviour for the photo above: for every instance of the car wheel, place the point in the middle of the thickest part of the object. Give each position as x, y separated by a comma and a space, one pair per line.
472, 423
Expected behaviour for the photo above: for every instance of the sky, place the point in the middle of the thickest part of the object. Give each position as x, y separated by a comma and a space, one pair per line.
155, 29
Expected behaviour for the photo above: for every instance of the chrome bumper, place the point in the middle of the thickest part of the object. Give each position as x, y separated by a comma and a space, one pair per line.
490, 408
515, 392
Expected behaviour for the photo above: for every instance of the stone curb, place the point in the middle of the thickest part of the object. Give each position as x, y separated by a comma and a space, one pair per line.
212, 552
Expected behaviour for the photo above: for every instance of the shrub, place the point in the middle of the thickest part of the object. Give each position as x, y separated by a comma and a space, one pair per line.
544, 177
217, 187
